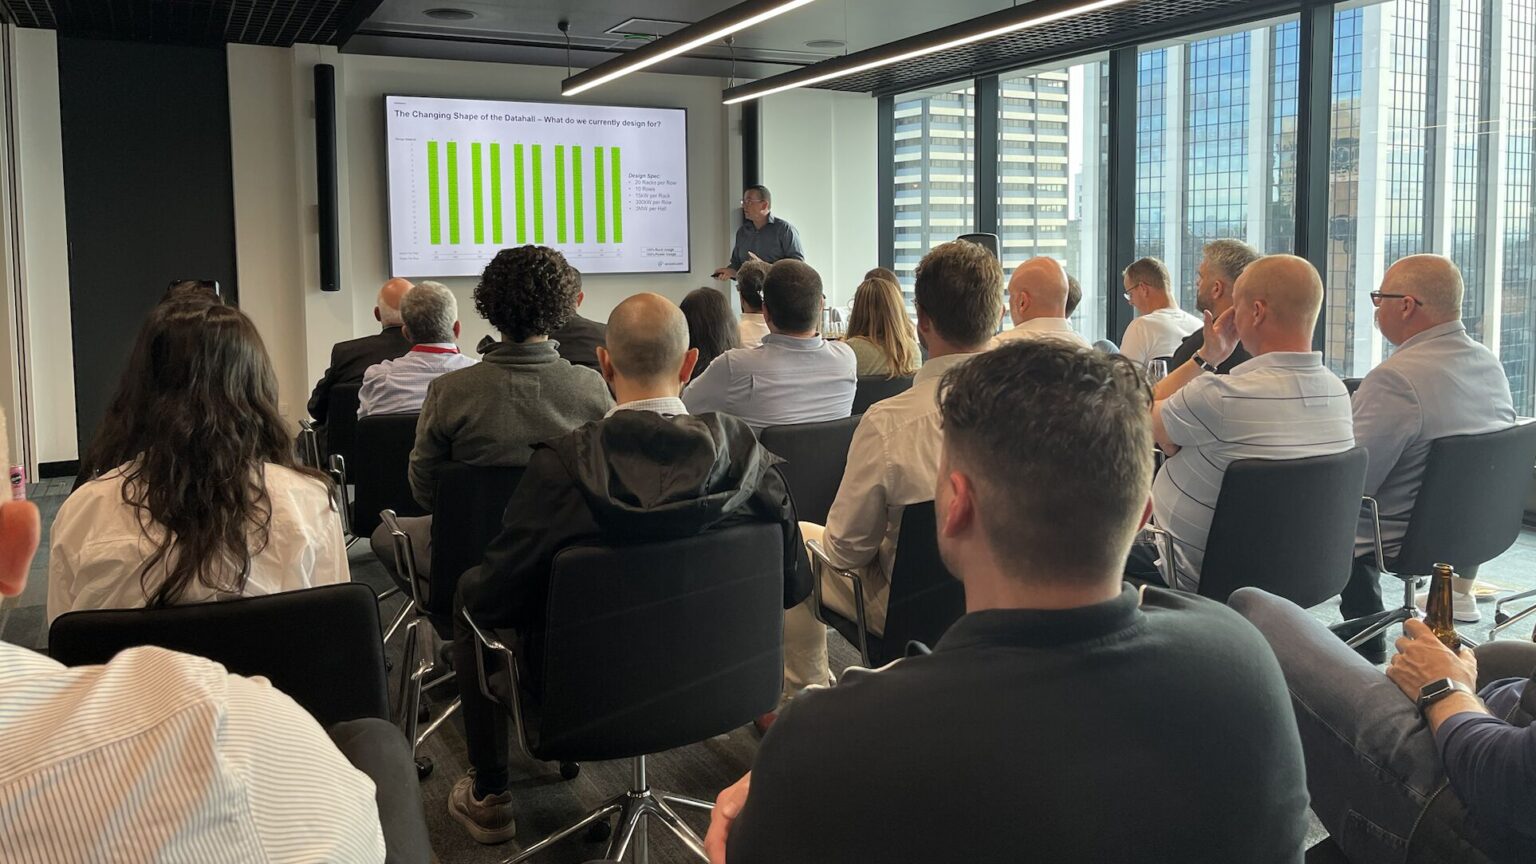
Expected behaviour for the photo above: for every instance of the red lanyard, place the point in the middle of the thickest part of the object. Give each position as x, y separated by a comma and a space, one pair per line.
433, 349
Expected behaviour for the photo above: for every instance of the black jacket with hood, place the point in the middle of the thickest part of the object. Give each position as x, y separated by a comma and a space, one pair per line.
633, 477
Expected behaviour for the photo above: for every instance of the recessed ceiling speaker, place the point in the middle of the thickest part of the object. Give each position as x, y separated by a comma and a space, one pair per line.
826, 44
449, 14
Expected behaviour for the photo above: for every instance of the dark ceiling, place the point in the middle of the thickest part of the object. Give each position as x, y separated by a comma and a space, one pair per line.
195, 22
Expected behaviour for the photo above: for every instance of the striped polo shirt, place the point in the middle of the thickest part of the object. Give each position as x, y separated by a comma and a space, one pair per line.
1280, 405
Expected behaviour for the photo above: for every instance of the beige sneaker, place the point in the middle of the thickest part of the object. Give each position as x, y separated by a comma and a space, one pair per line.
488, 820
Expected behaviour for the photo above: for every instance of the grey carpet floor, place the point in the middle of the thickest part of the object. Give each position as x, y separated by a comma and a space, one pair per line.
543, 801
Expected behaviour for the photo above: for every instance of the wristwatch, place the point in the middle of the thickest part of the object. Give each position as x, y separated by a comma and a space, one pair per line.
1434, 691
1202, 363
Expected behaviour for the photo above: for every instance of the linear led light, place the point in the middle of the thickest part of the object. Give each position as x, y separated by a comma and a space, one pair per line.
990, 27
711, 29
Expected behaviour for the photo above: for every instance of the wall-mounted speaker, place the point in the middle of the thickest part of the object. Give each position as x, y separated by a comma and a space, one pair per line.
987, 241
325, 177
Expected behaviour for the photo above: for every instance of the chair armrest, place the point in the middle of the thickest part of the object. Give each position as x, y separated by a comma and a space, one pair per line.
310, 442
338, 473
405, 555
485, 642
1375, 508
819, 560
1166, 555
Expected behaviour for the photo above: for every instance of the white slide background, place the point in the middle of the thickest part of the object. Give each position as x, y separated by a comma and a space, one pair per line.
652, 184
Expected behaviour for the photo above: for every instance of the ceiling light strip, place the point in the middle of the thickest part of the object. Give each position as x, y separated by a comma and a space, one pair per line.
909, 49
711, 29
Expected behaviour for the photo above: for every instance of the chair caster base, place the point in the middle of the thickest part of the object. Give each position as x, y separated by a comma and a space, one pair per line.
569, 770
423, 767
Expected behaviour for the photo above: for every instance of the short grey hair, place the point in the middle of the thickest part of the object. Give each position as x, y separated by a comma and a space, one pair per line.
430, 311
1231, 257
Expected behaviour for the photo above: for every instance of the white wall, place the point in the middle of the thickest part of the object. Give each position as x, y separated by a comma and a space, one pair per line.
45, 246
819, 155
271, 96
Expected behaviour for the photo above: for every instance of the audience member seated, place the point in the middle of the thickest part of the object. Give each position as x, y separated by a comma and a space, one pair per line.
894, 456
1160, 326
712, 329
795, 376
205, 765
1282, 404
520, 393
882, 273
580, 338
192, 288
1037, 303
1222, 262
749, 287
1074, 294
351, 359
204, 501
1438, 382
880, 333
431, 316
1066, 716
648, 471
1433, 760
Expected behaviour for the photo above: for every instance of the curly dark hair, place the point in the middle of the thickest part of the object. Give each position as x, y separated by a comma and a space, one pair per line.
526, 292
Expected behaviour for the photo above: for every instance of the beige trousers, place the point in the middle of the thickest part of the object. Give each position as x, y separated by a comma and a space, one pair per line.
805, 637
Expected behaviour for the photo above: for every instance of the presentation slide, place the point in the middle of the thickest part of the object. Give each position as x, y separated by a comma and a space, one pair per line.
606, 185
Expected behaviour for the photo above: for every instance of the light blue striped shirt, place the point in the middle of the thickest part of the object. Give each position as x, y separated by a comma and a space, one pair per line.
786, 380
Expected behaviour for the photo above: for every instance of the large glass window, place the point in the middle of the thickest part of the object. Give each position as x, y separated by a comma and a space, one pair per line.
935, 173
1053, 130
1216, 145
1432, 145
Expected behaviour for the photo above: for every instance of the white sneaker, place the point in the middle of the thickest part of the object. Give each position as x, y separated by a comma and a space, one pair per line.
1463, 606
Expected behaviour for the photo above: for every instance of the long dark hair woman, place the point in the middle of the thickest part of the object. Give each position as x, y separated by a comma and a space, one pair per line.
196, 495
711, 327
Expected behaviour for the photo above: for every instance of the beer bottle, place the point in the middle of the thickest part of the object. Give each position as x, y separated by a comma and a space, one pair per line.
1437, 614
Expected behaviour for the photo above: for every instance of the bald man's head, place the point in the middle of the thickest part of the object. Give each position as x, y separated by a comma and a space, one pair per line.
387, 307
1044, 282
1431, 279
647, 338
1290, 289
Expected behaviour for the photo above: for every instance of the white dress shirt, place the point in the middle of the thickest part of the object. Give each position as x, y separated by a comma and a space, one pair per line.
753, 328
98, 548
1158, 334
1059, 329
787, 379
1439, 383
893, 461
1281, 405
666, 406
399, 386
158, 756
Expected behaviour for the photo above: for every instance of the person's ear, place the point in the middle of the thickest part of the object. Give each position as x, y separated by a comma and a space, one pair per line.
406, 332
690, 360
580, 296
961, 512
455, 330
1260, 312
20, 531
1023, 301
377, 315
605, 363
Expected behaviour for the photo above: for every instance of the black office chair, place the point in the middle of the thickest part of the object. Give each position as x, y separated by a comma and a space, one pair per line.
380, 472
814, 455
1352, 384
336, 671
924, 599
469, 503
1286, 526
647, 648
872, 388
1467, 512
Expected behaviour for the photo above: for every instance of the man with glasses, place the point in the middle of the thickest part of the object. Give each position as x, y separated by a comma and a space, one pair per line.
762, 236
1439, 382
1161, 326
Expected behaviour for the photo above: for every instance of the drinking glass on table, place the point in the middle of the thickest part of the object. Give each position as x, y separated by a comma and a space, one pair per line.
1157, 370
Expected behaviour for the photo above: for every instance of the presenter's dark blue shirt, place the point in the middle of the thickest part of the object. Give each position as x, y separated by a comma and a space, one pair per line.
776, 239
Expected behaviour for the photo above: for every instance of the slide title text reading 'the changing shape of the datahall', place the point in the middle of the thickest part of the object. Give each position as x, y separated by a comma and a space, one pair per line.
525, 118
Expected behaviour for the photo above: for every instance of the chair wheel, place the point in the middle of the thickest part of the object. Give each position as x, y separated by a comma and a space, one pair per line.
569, 770
423, 767
597, 832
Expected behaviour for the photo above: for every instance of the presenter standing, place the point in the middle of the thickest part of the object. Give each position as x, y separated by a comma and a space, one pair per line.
762, 236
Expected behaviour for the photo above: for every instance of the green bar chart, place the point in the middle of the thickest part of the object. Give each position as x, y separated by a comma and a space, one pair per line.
532, 166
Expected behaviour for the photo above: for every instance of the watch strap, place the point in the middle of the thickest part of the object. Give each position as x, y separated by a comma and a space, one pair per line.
1202, 362
1436, 690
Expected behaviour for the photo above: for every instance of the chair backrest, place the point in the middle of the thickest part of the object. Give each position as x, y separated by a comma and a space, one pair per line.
1469, 508
469, 505
872, 388
380, 470
1286, 526
658, 645
924, 599
815, 455
320, 645
1352, 384
341, 422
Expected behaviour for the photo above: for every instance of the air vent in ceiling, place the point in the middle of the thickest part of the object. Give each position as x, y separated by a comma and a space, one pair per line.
646, 28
